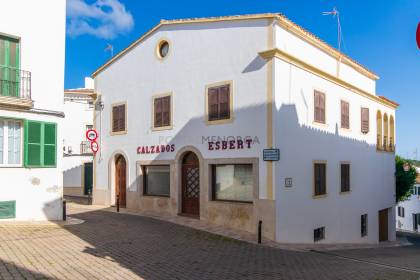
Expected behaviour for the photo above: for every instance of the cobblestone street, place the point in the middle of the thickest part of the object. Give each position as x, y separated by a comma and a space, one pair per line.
120, 246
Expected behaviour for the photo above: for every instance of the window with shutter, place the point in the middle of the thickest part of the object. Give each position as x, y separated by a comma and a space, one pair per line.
320, 180
319, 107
365, 120
345, 115
219, 102
118, 118
162, 111
40, 144
345, 177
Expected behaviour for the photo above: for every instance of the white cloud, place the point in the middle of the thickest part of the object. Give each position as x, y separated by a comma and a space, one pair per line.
104, 18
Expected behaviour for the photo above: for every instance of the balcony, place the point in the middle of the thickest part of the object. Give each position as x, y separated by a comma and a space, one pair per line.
85, 148
15, 87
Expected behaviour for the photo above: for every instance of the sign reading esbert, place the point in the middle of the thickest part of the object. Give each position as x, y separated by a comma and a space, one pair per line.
155, 149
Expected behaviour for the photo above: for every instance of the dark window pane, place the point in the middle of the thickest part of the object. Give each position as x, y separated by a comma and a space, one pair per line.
157, 180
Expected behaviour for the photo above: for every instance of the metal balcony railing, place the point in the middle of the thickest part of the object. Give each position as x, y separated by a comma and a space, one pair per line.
15, 83
85, 148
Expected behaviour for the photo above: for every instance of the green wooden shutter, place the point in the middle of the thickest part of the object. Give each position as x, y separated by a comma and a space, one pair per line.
7, 209
33, 143
40, 144
50, 136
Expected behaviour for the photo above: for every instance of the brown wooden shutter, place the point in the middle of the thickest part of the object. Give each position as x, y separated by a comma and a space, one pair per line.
213, 104
365, 120
319, 107
115, 118
224, 102
320, 178
158, 112
345, 177
345, 115
166, 111
122, 118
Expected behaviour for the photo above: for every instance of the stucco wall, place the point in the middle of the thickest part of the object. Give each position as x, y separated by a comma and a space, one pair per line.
411, 206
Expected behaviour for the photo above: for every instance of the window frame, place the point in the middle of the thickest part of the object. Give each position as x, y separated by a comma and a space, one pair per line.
171, 106
120, 132
231, 112
322, 92
314, 195
322, 237
341, 187
212, 170
5, 163
144, 174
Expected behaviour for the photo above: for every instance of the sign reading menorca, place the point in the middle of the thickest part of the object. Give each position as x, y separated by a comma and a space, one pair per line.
155, 149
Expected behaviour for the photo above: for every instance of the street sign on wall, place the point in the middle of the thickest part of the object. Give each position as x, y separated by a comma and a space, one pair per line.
271, 154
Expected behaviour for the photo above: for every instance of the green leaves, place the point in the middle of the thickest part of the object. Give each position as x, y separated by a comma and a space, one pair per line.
405, 180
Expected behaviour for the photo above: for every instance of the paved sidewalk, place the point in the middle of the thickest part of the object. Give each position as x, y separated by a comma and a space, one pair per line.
120, 246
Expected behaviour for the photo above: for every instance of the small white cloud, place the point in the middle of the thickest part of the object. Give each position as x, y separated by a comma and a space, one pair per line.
104, 18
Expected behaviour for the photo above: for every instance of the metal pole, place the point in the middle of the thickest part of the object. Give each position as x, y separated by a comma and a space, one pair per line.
118, 202
259, 231
90, 197
64, 210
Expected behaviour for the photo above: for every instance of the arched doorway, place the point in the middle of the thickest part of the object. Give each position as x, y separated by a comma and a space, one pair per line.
120, 180
190, 185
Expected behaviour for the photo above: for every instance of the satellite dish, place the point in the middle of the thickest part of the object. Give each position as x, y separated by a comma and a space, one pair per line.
418, 35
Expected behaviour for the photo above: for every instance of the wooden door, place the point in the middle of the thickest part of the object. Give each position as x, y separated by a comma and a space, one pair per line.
190, 185
383, 225
120, 180
88, 177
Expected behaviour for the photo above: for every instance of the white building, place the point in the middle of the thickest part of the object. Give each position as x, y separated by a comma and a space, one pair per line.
31, 109
78, 157
408, 212
189, 107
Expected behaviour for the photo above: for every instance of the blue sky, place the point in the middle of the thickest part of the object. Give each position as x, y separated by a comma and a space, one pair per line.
378, 34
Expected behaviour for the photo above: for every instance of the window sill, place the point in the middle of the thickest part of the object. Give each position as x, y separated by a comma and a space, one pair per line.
320, 124
216, 122
232, 201
10, 166
346, 192
319, 196
162, 128
345, 129
118, 133
156, 196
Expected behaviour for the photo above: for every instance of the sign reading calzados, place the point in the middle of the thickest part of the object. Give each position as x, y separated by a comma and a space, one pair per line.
155, 149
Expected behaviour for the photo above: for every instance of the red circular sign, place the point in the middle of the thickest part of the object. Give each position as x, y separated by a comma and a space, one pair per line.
91, 135
418, 35
94, 146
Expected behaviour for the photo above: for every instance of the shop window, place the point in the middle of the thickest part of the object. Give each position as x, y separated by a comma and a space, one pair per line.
345, 115
319, 234
233, 182
162, 111
364, 123
319, 107
156, 180
219, 102
345, 177
10, 142
364, 224
320, 179
118, 118
40, 144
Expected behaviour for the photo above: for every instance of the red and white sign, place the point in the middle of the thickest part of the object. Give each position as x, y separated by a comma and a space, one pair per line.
94, 146
91, 135
418, 35
230, 145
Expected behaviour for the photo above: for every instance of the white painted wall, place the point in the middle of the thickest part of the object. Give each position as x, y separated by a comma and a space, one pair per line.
411, 206
202, 54
37, 191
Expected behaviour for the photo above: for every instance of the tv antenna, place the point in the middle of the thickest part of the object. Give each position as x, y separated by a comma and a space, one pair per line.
335, 13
